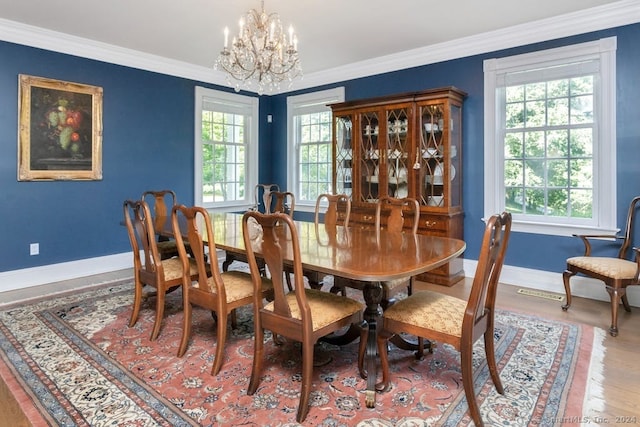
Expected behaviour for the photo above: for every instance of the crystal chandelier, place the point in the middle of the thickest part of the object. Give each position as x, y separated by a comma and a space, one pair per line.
261, 54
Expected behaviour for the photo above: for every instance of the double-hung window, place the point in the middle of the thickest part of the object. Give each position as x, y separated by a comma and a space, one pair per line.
550, 139
226, 147
309, 132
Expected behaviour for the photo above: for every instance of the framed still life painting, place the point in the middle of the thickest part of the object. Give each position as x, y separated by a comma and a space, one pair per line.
59, 130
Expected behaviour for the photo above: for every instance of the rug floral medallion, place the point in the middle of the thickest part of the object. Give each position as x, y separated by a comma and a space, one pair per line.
73, 361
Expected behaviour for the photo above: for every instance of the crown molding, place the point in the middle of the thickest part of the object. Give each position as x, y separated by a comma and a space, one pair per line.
612, 15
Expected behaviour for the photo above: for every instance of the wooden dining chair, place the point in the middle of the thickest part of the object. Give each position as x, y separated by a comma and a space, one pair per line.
149, 267
302, 314
160, 203
335, 209
282, 201
262, 196
221, 293
617, 272
452, 320
331, 210
263, 203
398, 212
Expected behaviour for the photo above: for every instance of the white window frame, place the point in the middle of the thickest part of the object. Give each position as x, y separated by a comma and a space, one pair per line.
313, 102
604, 150
238, 104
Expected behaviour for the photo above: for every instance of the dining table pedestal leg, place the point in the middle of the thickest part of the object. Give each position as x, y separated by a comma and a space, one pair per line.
372, 293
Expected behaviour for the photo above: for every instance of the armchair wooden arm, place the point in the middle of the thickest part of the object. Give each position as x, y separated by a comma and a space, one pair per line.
587, 244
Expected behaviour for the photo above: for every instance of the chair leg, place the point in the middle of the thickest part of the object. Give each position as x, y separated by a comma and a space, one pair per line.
159, 314
186, 328
234, 319
221, 341
615, 302
466, 356
137, 301
567, 288
307, 371
489, 349
625, 301
258, 353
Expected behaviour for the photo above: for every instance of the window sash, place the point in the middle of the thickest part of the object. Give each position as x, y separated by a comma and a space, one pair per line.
305, 174
571, 61
225, 163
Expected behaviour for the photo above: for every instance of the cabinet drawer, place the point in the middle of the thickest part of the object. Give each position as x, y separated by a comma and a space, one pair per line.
433, 224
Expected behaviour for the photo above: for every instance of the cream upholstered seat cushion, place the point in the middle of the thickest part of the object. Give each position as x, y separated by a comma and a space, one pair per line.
173, 268
430, 310
615, 268
326, 307
237, 285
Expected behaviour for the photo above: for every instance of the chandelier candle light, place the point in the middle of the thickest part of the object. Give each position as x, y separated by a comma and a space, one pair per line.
262, 53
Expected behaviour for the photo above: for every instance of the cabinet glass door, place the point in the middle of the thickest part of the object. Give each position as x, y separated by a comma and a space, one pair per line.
455, 153
344, 154
434, 173
370, 157
397, 152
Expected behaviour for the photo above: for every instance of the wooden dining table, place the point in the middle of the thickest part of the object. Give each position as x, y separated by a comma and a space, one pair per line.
356, 253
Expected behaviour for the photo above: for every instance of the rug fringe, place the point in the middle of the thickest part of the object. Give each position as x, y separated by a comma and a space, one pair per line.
594, 394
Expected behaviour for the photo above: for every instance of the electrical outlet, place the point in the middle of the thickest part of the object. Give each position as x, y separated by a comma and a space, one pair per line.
34, 248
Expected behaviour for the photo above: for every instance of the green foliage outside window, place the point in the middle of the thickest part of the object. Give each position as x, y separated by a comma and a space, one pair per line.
548, 143
223, 156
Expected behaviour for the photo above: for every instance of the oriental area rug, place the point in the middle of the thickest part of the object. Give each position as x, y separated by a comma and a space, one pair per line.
71, 360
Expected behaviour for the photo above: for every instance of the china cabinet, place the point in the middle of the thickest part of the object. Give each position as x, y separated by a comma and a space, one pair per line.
406, 145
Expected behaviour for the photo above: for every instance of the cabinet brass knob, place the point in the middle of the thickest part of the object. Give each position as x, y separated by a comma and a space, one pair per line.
368, 218
430, 223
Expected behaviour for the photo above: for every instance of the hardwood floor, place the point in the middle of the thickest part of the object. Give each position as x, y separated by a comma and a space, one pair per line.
620, 375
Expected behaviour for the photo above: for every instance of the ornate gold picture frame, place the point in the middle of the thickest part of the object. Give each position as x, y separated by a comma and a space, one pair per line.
59, 130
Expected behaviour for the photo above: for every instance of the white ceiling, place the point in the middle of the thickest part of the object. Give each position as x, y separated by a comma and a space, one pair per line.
332, 34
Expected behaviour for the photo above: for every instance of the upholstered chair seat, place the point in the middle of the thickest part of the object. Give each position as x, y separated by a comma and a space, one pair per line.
611, 267
433, 310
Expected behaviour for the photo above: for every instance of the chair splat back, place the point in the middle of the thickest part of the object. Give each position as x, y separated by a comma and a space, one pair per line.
482, 299
160, 202
139, 223
189, 226
262, 196
282, 201
628, 237
333, 215
397, 210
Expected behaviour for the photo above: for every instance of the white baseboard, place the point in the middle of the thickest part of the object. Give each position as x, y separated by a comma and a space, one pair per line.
36, 276
517, 276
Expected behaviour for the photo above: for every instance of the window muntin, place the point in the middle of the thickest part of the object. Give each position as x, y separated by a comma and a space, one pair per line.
225, 163
550, 138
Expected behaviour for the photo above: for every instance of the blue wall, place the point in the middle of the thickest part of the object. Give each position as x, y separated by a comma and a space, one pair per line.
148, 143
